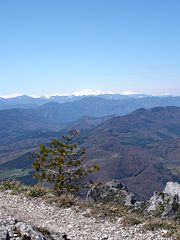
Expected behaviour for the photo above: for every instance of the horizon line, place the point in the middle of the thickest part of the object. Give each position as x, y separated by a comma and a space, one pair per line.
85, 92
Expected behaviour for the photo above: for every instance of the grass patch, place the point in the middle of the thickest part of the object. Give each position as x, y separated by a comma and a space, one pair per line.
46, 194
131, 220
110, 211
36, 191
154, 224
172, 227
64, 200
14, 186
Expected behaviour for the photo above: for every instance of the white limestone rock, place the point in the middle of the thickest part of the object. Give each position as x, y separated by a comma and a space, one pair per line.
165, 203
173, 189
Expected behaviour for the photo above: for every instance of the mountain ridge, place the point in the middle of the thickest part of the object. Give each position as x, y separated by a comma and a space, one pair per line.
143, 143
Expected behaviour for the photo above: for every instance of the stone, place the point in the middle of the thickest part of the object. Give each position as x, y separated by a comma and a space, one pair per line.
4, 235
173, 189
26, 231
165, 203
12, 229
116, 184
112, 191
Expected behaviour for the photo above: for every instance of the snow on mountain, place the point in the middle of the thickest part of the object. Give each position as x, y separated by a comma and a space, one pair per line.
90, 92
129, 93
84, 92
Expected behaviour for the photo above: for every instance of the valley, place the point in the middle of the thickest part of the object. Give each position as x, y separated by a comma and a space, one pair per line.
141, 148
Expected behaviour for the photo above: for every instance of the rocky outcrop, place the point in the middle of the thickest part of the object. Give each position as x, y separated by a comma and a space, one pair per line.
27, 231
162, 204
112, 191
13, 229
165, 203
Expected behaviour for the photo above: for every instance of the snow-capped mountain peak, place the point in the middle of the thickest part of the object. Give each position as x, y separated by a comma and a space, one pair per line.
90, 92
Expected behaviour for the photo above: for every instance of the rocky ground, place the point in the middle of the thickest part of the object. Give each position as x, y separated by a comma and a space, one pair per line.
33, 219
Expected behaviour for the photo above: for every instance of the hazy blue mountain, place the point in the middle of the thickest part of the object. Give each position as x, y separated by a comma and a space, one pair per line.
55, 115
127, 102
17, 122
99, 107
25, 100
89, 106
21, 102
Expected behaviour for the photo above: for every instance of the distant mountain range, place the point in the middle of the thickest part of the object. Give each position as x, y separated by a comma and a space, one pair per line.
60, 110
30, 102
141, 148
127, 102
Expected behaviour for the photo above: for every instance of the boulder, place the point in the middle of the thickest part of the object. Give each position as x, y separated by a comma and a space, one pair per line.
26, 231
12, 229
4, 235
112, 191
6, 228
165, 203
173, 189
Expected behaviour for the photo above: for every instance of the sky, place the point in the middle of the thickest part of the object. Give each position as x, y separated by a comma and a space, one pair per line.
64, 46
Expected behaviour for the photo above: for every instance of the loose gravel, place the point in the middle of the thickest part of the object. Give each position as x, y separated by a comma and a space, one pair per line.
74, 224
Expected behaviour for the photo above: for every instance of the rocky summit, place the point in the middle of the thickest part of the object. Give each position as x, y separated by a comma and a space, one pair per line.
28, 218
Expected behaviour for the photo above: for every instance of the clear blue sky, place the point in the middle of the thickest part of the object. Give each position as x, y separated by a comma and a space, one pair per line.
49, 46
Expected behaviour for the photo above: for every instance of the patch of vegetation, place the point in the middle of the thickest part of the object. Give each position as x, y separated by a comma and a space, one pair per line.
36, 191
131, 220
154, 224
172, 226
14, 186
64, 200
46, 194
101, 210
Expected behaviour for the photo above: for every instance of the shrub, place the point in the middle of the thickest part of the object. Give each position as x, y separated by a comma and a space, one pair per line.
36, 191
129, 220
14, 186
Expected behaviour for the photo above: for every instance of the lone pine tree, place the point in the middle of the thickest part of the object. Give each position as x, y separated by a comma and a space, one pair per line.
62, 164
